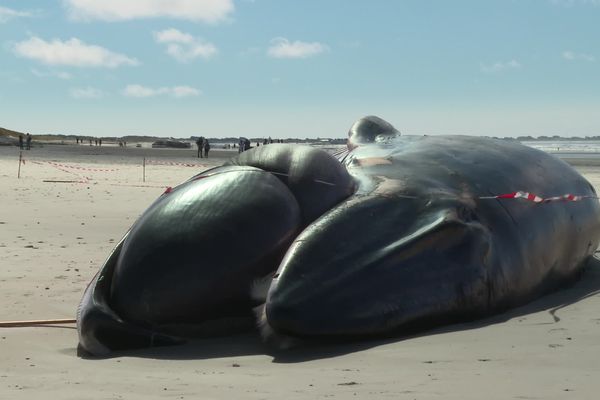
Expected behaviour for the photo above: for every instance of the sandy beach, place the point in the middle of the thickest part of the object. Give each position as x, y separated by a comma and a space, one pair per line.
71, 204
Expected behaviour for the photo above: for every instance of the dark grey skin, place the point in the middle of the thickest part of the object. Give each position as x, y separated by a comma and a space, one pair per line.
416, 247
393, 238
189, 264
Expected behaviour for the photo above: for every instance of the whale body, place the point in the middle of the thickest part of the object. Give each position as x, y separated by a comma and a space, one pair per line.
396, 233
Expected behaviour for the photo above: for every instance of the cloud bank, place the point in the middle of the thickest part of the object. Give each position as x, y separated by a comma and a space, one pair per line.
183, 46
571, 3
210, 11
140, 91
86, 93
500, 66
283, 48
572, 56
73, 53
8, 13
51, 74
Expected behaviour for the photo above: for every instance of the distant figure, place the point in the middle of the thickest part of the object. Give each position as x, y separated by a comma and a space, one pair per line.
241, 145
28, 140
100, 142
90, 141
257, 143
200, 144
246, 144
206, 148
21, 141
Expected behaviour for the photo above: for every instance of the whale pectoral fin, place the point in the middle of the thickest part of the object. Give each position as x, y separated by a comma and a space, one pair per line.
409, 268
100, 329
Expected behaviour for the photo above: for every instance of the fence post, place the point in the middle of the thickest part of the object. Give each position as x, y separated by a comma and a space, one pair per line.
20, 160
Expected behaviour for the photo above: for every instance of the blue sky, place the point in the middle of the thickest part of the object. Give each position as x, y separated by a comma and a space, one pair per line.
299, 68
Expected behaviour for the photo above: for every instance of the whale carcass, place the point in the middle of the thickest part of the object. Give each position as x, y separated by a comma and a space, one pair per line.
396, 233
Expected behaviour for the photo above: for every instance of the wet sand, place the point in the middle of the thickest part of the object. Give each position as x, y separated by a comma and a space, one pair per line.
55, 235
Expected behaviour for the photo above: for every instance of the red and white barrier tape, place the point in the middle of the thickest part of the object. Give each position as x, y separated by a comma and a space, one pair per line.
62, 166
514, 195
537, 199
179, 164
82, 168
84, 179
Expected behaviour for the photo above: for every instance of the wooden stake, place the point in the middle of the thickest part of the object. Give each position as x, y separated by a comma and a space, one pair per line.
20, 160
14, 324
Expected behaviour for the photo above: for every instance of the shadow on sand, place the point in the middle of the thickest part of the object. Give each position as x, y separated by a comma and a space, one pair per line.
251, 343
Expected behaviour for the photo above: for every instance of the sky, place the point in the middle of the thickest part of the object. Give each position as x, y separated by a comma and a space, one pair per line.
299, 68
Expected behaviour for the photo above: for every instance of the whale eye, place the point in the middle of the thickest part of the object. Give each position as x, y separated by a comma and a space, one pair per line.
465, 213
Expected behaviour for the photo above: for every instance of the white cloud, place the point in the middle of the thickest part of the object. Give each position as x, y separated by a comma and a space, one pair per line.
211, 11
175, 91
173, 35
283, 48
72, 52
500, 66
141, 91
571, 56
8, 13
51, 74
183, 46
184, 91
571, 3
86, 93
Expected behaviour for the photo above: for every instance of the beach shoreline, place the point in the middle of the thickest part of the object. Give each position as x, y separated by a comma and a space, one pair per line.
72, 204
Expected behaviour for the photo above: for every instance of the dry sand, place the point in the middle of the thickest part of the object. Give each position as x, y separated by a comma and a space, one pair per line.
54, 236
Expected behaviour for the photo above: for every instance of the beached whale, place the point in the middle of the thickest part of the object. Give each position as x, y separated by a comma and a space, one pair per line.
404, 232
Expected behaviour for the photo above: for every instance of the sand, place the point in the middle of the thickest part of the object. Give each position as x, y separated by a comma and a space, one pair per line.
55, 235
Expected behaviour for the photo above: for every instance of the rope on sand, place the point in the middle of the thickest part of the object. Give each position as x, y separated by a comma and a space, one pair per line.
16, 324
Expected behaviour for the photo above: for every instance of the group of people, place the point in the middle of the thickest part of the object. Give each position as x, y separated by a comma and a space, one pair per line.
244, 144
96, 141
203, 146
27, 141
269, 141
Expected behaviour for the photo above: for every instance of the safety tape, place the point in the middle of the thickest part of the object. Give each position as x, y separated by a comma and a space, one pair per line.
538, 199
62, 166
83, 179
82, 168
513, 195
175, 163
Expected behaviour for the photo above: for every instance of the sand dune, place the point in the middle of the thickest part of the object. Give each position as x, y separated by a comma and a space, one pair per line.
54, 235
